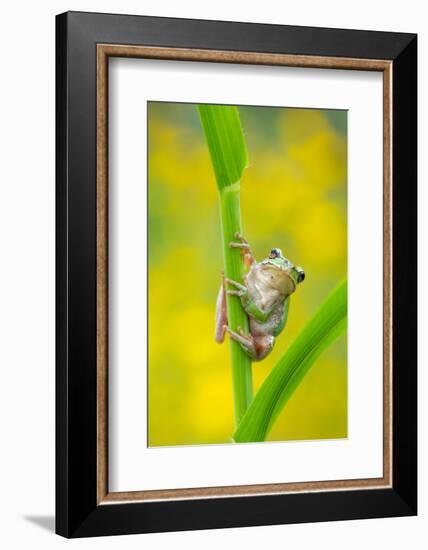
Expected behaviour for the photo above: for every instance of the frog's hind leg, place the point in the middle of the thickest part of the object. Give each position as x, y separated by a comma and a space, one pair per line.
221, 311
263, 346
220, 315
257, 347
246, 342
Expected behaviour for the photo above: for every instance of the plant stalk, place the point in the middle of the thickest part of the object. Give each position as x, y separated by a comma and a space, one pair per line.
227, 148
230, 214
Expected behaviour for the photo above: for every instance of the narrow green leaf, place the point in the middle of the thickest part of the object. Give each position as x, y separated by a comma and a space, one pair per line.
226, 142
324, 327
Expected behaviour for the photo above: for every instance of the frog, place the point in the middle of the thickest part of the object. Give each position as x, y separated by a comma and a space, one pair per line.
264, 295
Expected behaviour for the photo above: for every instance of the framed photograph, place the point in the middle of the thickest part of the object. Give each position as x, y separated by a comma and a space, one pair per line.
236, 274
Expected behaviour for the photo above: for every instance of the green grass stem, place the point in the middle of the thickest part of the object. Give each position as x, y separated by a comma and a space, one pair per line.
226, 144
234, 269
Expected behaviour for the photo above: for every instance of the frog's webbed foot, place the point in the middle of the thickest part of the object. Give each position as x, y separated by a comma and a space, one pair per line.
244, 245
246, 342
238, 293
257, 347
240, 241
234, 244
240, 289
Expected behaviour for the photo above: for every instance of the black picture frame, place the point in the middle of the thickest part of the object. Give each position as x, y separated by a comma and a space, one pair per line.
78, 513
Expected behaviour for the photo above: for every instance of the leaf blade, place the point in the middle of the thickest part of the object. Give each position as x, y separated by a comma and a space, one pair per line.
226, 142
324, 327
228, 152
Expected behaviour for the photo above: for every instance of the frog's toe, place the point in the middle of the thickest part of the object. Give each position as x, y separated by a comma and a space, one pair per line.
235, 292
240, 237
234, 244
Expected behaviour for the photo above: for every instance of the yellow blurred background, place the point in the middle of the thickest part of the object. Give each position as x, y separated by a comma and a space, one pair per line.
293, 196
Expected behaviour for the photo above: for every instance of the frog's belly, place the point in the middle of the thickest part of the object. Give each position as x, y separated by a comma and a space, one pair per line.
267, 327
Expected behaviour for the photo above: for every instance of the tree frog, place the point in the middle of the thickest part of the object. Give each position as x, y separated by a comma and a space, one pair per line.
265, 296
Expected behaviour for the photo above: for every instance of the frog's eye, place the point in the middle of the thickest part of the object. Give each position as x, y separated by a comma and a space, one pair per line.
300, 274
274, 253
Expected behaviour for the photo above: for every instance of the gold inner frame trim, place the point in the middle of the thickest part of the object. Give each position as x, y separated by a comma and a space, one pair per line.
104, 51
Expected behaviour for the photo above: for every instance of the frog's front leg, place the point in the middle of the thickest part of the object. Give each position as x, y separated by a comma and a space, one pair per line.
257, 347
241, 290
244, 245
